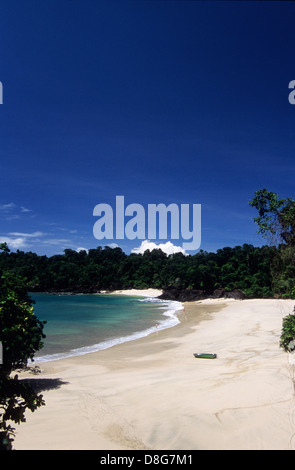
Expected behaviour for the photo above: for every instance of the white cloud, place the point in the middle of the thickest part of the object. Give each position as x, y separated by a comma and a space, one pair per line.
57, 241
37, 240
14, 243
19, 240
27, 235
113, 245
82, 249
11, 211
24, 209
167, 248
7, 207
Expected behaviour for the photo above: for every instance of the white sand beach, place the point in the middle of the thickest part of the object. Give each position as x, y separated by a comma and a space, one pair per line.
140, 292
153, 393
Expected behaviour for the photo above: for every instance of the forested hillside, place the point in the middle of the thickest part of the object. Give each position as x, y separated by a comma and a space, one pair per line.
265, 271
258, 272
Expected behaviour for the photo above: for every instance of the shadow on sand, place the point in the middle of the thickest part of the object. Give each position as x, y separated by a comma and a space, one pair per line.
42, 385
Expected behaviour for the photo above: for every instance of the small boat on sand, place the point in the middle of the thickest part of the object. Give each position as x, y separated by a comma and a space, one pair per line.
205, 355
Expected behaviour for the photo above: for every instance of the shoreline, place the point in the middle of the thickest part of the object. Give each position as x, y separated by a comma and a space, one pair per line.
150, 292
135, 292
153, 394
169, 319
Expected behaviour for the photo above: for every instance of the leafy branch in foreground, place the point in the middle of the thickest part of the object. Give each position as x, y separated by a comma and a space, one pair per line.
20, 335
287, 339
15, 398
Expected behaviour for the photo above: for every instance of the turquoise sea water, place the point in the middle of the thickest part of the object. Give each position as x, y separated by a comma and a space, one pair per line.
79, 324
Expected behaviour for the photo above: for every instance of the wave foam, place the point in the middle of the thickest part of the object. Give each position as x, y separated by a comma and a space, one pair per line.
170, 321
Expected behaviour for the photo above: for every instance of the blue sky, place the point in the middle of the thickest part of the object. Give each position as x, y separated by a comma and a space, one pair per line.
180, 102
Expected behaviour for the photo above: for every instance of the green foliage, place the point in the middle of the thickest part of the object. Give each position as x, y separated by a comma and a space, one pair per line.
243, 267
276, 217
15, 398
20, 334
20, 330
287, 339
276, 220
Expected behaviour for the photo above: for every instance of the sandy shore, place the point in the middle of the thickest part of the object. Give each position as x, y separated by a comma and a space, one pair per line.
139, 292
153, 394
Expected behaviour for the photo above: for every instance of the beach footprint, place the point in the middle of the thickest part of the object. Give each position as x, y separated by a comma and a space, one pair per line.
104, 420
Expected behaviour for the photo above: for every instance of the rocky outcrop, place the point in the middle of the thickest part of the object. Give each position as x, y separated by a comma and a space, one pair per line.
189, 295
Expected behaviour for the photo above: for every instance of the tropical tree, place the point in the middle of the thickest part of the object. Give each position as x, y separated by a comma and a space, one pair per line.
276, 217
21, 335
276, 221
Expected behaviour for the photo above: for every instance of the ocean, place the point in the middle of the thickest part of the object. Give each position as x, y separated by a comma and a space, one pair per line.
79, 324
